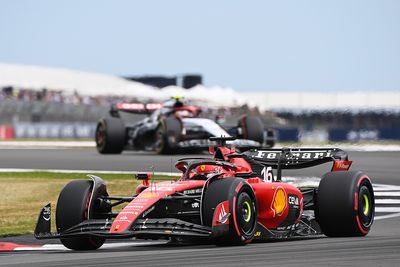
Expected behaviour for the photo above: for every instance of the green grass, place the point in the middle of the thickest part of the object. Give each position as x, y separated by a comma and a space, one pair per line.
23, 194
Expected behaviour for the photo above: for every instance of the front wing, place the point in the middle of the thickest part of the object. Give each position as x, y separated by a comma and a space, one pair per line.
142, 228
206, 143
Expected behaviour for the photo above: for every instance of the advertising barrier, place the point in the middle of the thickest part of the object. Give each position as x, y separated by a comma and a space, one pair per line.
58, 130
363, 134
54, 130
6, 132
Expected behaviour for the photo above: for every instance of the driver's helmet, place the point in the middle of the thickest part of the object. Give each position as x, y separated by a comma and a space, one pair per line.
201, 171
204, 169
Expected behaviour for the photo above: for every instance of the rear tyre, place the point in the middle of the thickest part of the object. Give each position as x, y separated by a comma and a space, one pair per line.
345, 204
168, 134
252, 128
110, 136
72, 209
242, 207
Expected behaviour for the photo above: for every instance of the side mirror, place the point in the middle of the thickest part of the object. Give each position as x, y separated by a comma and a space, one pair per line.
211, 150
144, 176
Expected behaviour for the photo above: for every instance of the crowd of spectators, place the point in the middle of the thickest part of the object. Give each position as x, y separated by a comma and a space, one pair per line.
56, 96
304, 120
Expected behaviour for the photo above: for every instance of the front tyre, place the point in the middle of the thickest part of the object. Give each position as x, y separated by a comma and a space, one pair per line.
72, 209
242, 209
345, 204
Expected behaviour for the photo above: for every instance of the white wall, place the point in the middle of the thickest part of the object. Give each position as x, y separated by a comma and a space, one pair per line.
315, 100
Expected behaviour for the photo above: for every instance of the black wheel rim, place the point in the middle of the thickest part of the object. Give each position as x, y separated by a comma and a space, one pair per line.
365, 206
245, 211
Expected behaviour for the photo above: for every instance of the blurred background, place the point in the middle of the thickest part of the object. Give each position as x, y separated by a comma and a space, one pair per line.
315, 71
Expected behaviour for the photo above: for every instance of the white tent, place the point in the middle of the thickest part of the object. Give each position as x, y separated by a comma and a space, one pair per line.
90, 83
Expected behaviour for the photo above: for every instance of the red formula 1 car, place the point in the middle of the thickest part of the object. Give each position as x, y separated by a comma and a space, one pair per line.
230, 198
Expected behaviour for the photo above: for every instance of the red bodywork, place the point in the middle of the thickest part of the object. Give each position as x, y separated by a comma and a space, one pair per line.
272, 197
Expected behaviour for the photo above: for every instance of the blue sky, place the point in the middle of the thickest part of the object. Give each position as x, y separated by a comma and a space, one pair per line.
248, 45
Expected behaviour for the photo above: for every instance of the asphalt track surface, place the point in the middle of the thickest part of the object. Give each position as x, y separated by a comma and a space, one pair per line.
380, 248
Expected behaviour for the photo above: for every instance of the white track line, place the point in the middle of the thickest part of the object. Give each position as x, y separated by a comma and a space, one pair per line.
387, 209
387, 194
59, 247
388, 216
387, 201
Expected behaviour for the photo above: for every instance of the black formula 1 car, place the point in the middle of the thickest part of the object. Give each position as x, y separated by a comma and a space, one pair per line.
230, 198
171, 127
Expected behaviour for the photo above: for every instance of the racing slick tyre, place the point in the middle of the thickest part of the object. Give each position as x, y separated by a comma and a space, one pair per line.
345, 204
241, 223
72, 209
167, 136
110, 136
252, 128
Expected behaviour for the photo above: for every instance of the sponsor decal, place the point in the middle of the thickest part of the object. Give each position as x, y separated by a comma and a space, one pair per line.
47, 213
130, 106
165, 188
264, 154
279, 201
341, 165
268, 175
196, 205
141, 200
134, 207
197, 142
148, 211
203, 167
222, 214
193, 191
147, 195
118, 220
129, 212
257, 234
293, 200
289, 227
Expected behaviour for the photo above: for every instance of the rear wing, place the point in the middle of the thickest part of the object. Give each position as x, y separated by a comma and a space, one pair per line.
297, 158
137, 108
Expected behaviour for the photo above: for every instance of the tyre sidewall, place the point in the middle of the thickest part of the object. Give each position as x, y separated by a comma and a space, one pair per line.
114, 135
72, 209
337, 210
229, 189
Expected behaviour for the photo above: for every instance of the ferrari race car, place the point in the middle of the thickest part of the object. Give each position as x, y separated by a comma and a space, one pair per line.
230, 198
173, 126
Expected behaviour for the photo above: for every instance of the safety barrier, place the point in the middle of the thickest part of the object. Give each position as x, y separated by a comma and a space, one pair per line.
54, 130
87, 130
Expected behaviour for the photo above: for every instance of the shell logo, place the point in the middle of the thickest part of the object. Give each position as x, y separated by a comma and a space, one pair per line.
279, 202
202, 167
147, 195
